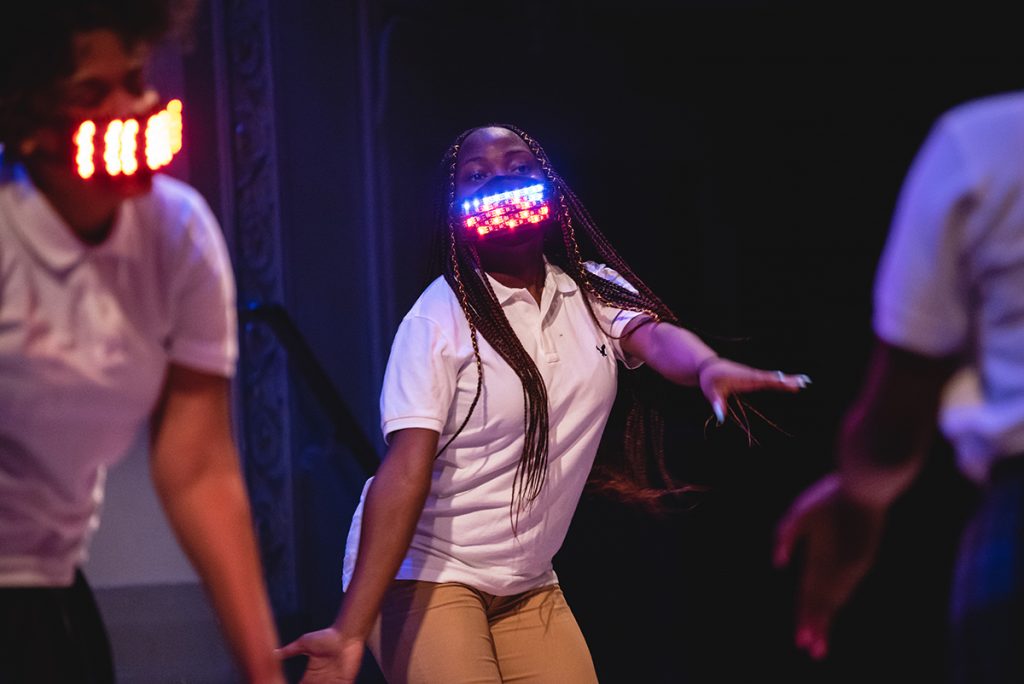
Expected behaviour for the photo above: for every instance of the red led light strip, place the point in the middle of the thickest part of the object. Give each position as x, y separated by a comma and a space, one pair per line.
120, 142
506, 211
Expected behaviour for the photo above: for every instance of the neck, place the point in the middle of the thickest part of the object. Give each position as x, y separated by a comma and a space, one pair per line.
89, 210
516, 266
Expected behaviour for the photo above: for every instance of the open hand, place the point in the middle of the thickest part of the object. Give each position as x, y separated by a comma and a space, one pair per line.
722, 378
333, 658
840, 540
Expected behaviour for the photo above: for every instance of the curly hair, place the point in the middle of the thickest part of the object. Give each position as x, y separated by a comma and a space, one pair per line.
36, 48
577, 238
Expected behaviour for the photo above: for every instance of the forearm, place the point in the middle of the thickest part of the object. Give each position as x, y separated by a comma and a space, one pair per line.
878, 458
671, 351
392, 508
886, 435
211, 516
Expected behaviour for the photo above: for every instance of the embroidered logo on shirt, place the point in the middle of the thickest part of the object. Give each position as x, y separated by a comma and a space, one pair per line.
602, 350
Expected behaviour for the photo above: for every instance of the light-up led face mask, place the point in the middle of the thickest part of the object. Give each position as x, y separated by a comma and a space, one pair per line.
123, 148
505, 204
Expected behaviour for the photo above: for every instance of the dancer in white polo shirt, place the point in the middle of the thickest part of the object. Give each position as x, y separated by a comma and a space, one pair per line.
116, 309
500, 382
949, 353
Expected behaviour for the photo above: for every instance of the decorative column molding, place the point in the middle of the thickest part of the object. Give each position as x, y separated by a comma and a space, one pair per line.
245, 92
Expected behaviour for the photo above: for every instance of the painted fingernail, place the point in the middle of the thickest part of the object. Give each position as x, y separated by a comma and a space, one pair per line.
804, 380
719, 412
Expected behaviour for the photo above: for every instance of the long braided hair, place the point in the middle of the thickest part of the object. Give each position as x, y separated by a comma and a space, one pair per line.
457, 259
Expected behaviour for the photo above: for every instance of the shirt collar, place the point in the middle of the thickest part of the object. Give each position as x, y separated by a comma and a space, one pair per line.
44, 231
555, 280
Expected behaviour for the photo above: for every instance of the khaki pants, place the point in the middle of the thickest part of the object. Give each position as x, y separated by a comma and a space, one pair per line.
449, 633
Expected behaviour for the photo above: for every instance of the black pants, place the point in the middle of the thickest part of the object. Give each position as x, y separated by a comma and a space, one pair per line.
987, 611
53, 636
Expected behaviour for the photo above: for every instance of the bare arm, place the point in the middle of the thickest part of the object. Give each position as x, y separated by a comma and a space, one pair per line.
886, 433
673, 352
195, 468
681, 357
393, 505
840, 518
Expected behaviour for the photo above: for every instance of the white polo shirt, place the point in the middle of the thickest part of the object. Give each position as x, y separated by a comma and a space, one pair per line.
951, 278
465, 532
86, 335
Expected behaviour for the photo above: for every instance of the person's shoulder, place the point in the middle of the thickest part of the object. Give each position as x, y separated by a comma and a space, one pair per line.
982, 115
174, 192
14, 178
601, 270
608, 273
179, 207
8, 186
1004, 103
437, 301
179, 220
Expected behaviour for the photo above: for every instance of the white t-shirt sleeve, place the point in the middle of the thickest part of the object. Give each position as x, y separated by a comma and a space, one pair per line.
204, 327
920, 302
613, 319
420, 378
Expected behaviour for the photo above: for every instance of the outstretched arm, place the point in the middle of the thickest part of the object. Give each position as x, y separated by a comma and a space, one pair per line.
681, 357
839, 519
393, 505
195, 468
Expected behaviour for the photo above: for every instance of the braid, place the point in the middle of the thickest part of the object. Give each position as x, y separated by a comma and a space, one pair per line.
460, 291
533, 467
644, 424
644, 299
460, 266
484, 315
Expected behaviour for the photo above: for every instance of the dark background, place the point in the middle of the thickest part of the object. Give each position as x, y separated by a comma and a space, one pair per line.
744, 158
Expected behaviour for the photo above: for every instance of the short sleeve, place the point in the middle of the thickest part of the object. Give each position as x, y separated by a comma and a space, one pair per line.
204, 325
420, 378
920, 301
613, 319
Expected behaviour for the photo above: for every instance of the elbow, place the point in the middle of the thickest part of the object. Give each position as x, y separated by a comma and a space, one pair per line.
886, 446
177, 474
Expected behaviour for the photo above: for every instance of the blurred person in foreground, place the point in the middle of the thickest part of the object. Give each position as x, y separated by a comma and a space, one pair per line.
949, 323
117, 312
